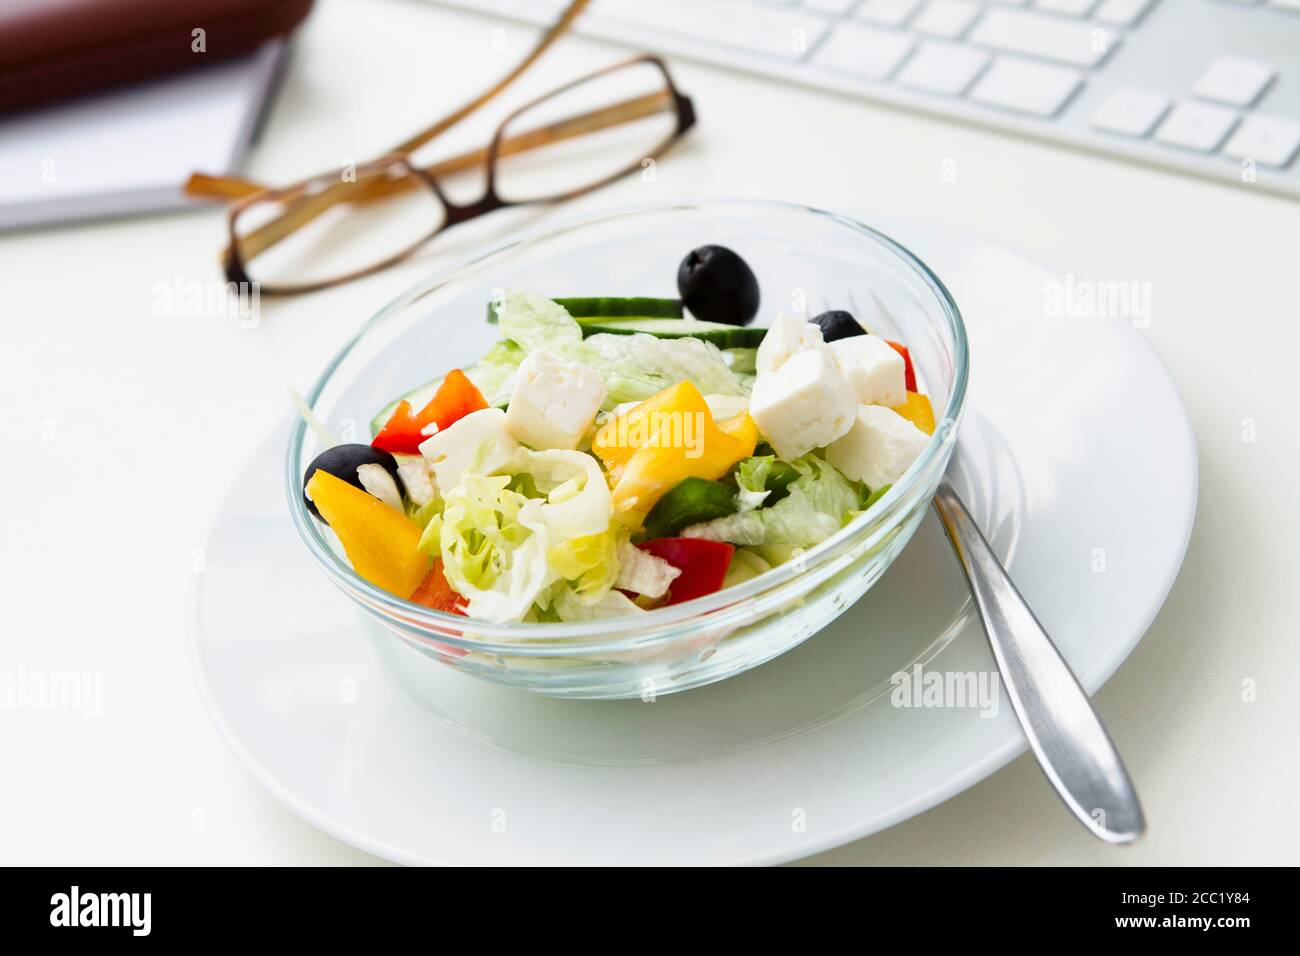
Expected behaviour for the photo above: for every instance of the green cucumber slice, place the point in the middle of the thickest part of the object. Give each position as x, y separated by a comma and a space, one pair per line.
690, 501
723, 336
588, 308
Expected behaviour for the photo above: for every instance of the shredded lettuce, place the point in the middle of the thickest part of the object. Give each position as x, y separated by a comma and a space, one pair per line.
492, 542
642, 572
817, 504
423, 514
745, 564
869, 498
751, 481
537, 531
610, 604
494, 373
743, 361
633, 367
535, 322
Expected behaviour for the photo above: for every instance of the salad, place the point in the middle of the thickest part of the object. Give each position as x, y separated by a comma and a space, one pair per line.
608, 456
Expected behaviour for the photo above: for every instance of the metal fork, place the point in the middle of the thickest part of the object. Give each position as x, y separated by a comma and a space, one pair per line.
1063, 729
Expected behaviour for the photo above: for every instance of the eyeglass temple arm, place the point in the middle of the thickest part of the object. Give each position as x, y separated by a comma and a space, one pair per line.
308, 208
556, 30
275, 231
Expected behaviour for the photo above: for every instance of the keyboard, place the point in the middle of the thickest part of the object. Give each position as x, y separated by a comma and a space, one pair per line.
1205, 87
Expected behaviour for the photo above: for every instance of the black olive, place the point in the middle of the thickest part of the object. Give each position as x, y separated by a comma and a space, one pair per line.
838, 324
342, 461
717, 286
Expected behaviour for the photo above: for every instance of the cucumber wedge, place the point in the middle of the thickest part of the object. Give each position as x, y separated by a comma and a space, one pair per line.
588, 308
723, 336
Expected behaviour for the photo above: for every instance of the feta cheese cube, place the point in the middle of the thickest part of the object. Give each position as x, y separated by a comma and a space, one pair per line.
880, 446
456, 449
874, 369
554, 403
804, 404
787, 336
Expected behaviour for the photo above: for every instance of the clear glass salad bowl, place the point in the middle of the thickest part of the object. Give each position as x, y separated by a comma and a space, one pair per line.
807, 261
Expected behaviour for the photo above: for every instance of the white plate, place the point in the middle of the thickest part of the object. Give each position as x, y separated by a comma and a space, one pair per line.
1077, 457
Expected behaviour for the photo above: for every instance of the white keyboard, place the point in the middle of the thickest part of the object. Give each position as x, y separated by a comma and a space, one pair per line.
1208, 87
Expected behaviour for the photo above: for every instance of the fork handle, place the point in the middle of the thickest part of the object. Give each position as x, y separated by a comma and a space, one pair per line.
1064, 730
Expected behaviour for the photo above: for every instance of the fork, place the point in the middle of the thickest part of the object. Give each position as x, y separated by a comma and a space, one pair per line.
1064, 731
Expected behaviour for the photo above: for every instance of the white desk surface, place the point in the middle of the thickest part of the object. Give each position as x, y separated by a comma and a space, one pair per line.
122, 431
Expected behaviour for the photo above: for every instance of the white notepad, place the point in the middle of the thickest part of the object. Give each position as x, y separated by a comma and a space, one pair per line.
131, 150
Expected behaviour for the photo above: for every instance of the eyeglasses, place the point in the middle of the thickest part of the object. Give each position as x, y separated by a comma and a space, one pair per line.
342, 225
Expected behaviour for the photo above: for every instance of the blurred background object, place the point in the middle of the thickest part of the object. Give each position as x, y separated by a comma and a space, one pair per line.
53, 49
1206, 87
107, 105
354, 220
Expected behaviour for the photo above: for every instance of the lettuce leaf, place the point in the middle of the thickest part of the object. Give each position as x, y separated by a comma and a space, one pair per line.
539, 528
494, 373
534, 322
633, 367
745, 564
493, 543
817, 504
610, 604
642, 572
751, 481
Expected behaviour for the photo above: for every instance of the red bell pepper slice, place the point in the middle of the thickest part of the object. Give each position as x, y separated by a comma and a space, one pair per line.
703, 565
435, 592
909, 372
455, 398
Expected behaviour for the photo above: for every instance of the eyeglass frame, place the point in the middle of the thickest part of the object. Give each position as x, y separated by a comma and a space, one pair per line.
453, 213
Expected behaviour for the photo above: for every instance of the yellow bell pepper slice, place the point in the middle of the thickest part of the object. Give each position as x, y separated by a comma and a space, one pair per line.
743, 428
916, 408
668, 437
380, 541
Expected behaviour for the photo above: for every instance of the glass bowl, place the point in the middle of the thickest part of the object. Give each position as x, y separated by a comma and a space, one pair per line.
806, 261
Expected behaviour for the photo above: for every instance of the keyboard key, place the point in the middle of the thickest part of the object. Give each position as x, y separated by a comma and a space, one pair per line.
1195, 126
1130, 112
1052, 38
830, 6
1026, 87
1235, 80
864, 50
1122, 13
1071, 8
783, 33
943, 68
889, 13
946, 18
1273, 142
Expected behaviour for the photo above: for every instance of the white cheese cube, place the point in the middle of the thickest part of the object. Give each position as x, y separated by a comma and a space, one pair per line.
456, 449
804, 404
787, 336
722, 407
554, 403
880, 446
875, 370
